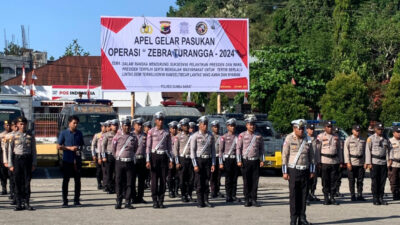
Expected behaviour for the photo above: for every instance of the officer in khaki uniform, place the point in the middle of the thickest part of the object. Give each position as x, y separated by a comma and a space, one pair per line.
250, 157
227, 160
192, 127
22, 160
215, 181
329, 158
96, 149
172, 180
124, 148
3, 155
394, 163
158, 159
8, 136
312, 185
376, 159
202, 153
184, 166
140, 165
108, 156
298, 167
354, 157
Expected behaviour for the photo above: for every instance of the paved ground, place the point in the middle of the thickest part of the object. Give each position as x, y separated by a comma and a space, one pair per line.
273, 194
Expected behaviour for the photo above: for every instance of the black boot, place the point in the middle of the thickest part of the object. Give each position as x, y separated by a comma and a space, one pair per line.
333, 200
65, 203
247, 203
327, 201
206, 202
18, 206
161, 204
185, 198
375, 201
28, 206
383, 202
255, 203
119, 204
200, 201
303, 221
314, 196
353, 197
191, 198
156, 205
360, 197
293, 220
4, 192
128, 205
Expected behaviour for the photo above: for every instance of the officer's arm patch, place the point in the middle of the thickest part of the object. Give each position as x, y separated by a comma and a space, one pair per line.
368, 140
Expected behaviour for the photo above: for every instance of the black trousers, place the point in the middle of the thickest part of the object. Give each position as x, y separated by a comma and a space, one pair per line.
298, 186
356, 175
312, 183
329, 175
251, 175
110, 172
23, 176
231, 176
394, 178
12, 183
171, 177
202, 179
215, 182
378, 177
186, 176
124, 175
3, 175
104, 172
99, 172
71, 170
339, 178
141, 175
159, 170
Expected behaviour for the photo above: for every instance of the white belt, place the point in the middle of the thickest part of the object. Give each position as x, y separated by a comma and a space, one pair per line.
252, 158
230, 156
158, 152
205, 156
125, 159
185, 156
297, 167
139, 156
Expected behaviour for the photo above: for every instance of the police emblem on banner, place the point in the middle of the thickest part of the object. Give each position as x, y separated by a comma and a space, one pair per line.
146, 29
201, 28
165, 27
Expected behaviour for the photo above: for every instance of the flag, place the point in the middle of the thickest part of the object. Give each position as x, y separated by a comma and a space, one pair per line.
293, 82
33, 88
245, 98
23, 81
88, 85
319, 116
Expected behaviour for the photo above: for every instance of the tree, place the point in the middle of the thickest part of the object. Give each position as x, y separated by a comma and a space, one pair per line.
200, 98
288, 106
212, 104
391, 102
74, 49
13, 49
346, 101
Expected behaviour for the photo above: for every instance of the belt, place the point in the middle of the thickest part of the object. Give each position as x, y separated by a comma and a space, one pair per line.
356, 156
396, 160
379, 157
139, 156
297, 167
329, 155
158, 152
22, 156
205, 156
185, 156
125, 159
230, 156
251, 158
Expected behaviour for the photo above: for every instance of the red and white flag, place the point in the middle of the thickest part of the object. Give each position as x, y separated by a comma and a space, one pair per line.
245, 98
33, 88
319, 116
23, 81
88, 85
293, 82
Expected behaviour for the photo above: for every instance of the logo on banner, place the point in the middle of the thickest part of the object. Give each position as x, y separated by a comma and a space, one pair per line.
184, 28
201, 28
165, 27
146, 29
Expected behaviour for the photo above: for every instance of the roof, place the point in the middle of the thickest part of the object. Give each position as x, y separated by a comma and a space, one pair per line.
69, 70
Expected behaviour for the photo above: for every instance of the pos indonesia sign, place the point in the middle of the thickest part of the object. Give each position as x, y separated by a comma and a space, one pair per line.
174, 54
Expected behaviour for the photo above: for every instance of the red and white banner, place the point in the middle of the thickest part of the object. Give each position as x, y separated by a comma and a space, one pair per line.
71, 92
174, 54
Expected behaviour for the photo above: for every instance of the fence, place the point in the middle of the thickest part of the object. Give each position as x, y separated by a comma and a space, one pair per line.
46, 124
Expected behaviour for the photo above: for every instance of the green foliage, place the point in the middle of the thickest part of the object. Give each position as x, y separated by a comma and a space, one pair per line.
346, 101
391, 102
13, 49
200, 98
288, 105
74, 49
212, 104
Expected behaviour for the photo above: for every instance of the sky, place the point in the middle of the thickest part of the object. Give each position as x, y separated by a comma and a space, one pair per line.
54, 24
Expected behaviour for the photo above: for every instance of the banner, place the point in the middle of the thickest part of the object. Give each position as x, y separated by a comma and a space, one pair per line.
143, 54
71, 92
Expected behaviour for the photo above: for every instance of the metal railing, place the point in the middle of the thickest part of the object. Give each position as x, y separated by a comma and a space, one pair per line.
46, 124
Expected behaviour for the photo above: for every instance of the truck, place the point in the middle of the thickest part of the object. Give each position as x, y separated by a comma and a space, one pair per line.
9, 110
24, 103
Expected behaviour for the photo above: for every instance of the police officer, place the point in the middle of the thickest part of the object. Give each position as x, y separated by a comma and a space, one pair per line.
250, 157
158, 153
14, 129
342, 166
215, 181
227, 160
123, 149
172, 180
102, 154
329, 158
146, 126
202, 153
181, 150
22, 160
376, 156
354, 157
108, 156
140, 165
192, 127
298, 167
312, 185
394, 163
96, 149
3, 155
